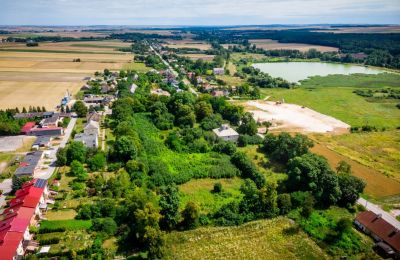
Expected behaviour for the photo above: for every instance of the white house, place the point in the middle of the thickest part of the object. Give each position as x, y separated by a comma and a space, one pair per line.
226, 133
92, 127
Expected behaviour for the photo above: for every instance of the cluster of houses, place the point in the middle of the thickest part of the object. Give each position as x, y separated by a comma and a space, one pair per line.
48, 125
91, 131
387, 236
107, 83
205, 86
26, 209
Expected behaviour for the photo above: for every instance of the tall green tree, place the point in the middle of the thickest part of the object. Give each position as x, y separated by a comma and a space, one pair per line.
80, 108
169, 203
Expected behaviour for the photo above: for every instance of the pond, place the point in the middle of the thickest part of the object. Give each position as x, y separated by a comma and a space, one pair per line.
296, 71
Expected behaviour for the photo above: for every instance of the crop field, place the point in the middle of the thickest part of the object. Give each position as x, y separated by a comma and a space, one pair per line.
196, 56
178, 44
40, 76
273, 239
200, 192
333, 96
269, 44
378, 151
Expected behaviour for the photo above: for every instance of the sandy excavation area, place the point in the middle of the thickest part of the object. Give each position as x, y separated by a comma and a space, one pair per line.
294, 118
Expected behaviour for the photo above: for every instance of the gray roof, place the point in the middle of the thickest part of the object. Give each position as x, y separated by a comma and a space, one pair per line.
89, 140
29, 164
42, 140
225, 130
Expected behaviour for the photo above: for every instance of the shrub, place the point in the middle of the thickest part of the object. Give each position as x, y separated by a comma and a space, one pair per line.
217, 187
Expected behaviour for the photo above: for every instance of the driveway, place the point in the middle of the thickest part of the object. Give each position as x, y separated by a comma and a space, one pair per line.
377, 210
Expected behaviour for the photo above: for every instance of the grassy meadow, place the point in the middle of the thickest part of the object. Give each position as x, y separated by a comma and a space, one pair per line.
272, 239
200, 192
333, 95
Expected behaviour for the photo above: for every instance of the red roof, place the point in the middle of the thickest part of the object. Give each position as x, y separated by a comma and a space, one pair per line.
380, 227
10, 244
27, 127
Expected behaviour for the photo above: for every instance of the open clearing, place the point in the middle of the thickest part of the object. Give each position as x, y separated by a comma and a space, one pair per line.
269, 44
290, 117
272, 239
40, 76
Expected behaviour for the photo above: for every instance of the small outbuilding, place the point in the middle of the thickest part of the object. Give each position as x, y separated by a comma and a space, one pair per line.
226, 133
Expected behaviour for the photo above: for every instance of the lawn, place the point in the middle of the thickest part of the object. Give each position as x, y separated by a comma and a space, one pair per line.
63, 214
264, 239
231, 80
70, 224
200, 192
333, 95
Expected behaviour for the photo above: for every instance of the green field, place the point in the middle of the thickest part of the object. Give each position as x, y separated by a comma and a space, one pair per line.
139, 67
333, 95
200, 192
264, 239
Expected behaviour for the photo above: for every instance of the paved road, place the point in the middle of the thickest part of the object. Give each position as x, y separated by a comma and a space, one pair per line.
52, 153
174, 71
377, 210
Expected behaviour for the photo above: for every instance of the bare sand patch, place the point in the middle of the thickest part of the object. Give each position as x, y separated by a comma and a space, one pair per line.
294, 118
269, 44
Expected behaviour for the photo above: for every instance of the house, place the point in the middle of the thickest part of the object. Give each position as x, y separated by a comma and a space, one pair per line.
89, 140
85, 87
226, 133
133, 88
93, 100
219, 93
30, 164
42, 141
385, 234
92, 127
27, 127
49, 131
24, 210
218, 71
50, 121
105, 88
93, 116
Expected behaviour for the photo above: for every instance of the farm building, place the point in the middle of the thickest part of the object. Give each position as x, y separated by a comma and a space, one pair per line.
49, 131
24, 211
51, 121
226, 133
27, 127
386, 235
219, 93
30, 164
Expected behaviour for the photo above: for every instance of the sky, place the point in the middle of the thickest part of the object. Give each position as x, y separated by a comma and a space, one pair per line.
195, 12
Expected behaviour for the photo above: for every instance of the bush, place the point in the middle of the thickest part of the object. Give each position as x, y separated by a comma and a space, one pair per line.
217, 187
49, 241
245, 140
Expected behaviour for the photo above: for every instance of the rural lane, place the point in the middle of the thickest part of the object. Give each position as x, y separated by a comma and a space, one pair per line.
377, 210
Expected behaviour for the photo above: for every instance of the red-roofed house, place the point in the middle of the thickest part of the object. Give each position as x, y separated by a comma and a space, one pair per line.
24, 211
27, 127
386, 235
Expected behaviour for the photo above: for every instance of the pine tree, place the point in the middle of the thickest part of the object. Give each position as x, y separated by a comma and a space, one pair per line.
30, 109
62, 109
16, 110
23, 110
43, 109
67, 109
39, 109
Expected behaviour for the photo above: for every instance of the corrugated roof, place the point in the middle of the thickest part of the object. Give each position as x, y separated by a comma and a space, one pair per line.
380, 227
